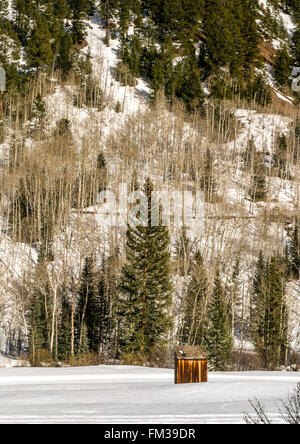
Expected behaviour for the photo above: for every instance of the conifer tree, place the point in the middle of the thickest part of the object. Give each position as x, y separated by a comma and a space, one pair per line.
218, 339
84, 345
295, 250
39, 109
64, 331
23, 9
40, 311
104, 301
145, 286
107, 9
60, 8
236, 300
282, 67
269, 320
88, 311
190, 89
64, 61
39, 50
80, 10
195, 305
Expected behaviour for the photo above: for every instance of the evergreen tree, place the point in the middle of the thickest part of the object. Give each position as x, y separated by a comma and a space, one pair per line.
80, 10
282, 67
236, 301
145, 286
61, 9
269, 321
105, 299
295, 250
64, 332
218, 339
64, 61
107, 9
190, 86
195, 305
296, 44
23, 9
38, 49
39, 109
39, 312
88, 311
83, 346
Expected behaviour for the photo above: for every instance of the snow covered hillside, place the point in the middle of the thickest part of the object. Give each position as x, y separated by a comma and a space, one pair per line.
137, 137
135, 395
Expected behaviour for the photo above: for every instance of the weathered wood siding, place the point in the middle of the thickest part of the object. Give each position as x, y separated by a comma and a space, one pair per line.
189, 371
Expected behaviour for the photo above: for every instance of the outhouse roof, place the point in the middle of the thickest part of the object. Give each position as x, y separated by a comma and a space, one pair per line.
190, 352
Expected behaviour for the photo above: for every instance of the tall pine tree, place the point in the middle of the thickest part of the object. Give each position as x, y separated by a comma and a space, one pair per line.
218, 339
146, 288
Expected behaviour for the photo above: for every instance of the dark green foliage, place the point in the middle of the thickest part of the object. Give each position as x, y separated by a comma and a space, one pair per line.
61, 9
296, 45
282, 67
269, 311
236, 315
93, 317
218, 339
145, 287
40, 311
231, 35
80, 10
295, 251
194, 311
106, 286
39, 109
39, 51
64, 61
188, 85
64, 331
88, 311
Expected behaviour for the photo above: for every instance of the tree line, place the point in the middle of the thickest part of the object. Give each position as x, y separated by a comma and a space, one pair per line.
127, 313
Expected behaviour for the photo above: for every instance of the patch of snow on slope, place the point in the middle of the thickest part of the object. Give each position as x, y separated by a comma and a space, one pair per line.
104, 61
262, 128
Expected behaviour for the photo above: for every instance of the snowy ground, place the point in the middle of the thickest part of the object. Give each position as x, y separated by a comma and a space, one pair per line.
134, 395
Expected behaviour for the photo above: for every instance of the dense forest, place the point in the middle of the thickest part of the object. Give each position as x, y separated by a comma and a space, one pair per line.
84, 295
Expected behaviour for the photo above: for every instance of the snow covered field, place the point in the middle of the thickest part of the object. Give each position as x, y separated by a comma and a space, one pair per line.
115, 394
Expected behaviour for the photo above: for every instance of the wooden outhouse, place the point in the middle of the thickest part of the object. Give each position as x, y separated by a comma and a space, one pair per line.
190, 364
